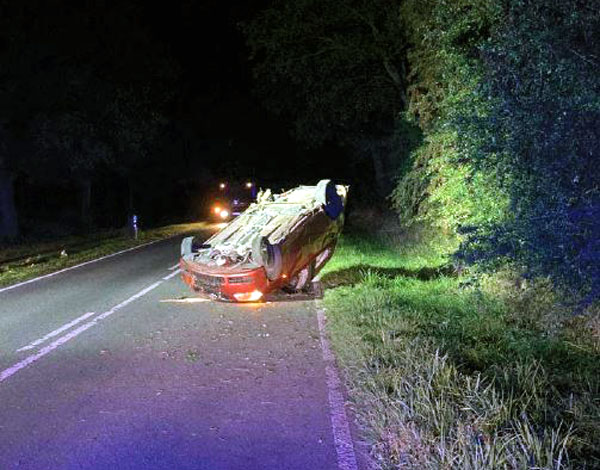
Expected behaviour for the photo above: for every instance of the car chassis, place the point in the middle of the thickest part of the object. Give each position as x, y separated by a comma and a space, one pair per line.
280, 242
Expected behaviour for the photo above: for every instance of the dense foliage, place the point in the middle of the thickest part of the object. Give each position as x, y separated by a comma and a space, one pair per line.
507, 94
336, 70
541, 131
512, 111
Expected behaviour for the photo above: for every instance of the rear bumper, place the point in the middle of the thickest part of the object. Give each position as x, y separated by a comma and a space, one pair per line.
246, 286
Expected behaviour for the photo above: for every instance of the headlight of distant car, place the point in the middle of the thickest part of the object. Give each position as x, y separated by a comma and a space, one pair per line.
224, 214
217, 210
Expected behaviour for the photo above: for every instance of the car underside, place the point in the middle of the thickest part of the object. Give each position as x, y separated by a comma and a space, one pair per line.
280, 242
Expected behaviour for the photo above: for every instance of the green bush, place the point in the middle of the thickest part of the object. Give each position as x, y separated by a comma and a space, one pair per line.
451, 375
509, 99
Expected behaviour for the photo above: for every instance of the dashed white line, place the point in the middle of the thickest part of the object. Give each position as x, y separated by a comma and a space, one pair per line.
5, 374
173, 274
77, 320
56, 332
339, 421
141, 293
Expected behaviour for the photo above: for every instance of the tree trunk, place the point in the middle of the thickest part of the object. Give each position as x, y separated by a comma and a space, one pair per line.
130, 199
9, 227
86, 204
383, 180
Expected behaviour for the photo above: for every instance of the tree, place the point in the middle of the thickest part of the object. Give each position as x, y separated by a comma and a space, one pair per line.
9, 227
508, 96
443, 188
69, 146
542, 83
81, 88
336, 69
135, 123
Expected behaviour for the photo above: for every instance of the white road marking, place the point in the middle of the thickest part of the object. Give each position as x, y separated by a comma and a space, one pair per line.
5, 374
173, 274
14, 286
339, 421
141, 293
56, 332
175, 266
187, 300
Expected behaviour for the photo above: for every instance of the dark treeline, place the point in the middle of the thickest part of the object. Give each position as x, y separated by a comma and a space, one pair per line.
485, 113
80, 106
114, 108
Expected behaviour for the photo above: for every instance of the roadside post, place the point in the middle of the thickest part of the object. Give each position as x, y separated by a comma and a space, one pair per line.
134, 226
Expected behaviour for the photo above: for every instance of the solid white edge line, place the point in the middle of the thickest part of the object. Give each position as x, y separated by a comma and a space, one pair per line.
45, 276
342, 437
175, 266
173, 274
5, 374
141, 293
56, 332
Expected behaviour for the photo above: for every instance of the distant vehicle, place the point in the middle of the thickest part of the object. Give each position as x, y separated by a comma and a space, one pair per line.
231, 199
280, 242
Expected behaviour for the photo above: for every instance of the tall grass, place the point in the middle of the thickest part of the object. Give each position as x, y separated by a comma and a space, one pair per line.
448, 373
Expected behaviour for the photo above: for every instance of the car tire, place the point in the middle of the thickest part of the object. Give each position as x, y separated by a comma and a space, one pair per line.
326, 194
301, 281
269, 256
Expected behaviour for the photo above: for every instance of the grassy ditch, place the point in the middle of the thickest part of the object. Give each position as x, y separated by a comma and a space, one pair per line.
28, 260
448, 372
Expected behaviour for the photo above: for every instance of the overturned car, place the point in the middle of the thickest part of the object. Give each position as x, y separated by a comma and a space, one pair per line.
280, 242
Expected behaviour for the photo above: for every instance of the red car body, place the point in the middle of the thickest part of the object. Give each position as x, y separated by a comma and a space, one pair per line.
282, 241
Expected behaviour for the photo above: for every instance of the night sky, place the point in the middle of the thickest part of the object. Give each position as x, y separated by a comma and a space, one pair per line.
205, 40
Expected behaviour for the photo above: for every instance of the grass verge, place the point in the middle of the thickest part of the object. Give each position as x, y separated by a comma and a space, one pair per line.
25, 261
448, 373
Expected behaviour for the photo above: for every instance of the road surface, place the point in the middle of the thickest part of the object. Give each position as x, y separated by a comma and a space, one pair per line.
112, 366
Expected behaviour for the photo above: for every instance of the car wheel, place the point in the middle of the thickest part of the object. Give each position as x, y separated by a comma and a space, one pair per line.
268, 256
301, 281
326, 194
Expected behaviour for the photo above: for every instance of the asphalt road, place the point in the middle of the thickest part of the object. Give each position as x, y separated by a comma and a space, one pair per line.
105, 367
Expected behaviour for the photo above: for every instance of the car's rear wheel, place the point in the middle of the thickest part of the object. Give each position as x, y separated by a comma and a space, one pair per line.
326, 194
268, 256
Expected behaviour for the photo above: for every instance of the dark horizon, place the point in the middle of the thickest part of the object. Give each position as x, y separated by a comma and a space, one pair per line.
190, 64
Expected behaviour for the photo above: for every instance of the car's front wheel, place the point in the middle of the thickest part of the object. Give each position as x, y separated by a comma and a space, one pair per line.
269, 256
